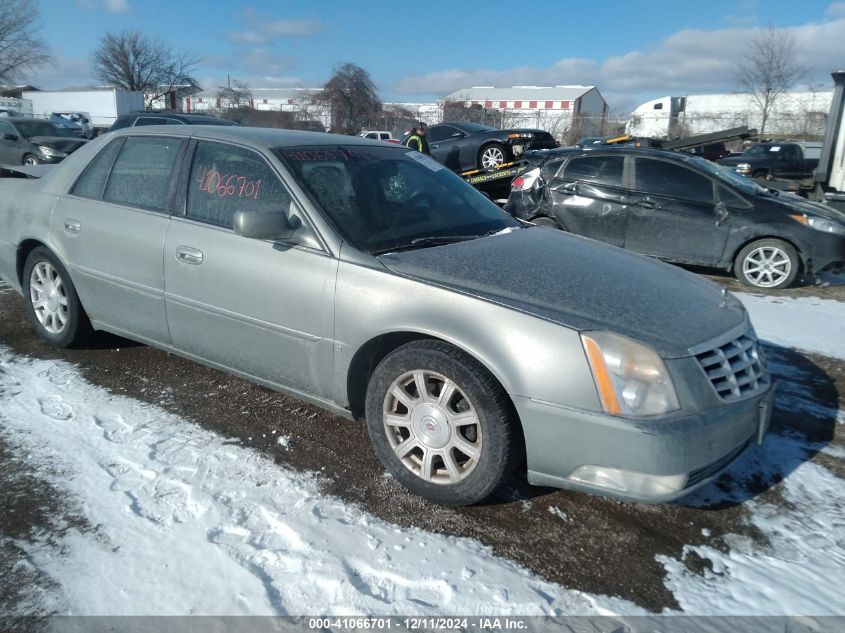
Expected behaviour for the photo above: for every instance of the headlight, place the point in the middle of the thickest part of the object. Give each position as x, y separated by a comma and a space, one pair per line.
743, 168
631, 378
516, 135
49, 152
820, 224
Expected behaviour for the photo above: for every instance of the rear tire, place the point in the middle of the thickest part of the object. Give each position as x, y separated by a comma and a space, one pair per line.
761, 173
770, 264
441, 424
52, 305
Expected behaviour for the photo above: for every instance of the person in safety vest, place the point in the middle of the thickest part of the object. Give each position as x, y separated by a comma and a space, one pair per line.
417, 139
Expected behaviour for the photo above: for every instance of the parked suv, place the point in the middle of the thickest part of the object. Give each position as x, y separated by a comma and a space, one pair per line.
682, 209
776, 159
166, 118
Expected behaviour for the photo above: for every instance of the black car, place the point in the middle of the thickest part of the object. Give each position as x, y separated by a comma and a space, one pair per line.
466, 146
681, 209
166, 118
27, 141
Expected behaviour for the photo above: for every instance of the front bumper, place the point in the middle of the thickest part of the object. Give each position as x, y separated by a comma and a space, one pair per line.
826, 250
650, 461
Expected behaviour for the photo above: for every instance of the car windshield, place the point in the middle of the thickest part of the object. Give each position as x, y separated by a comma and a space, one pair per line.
727, 174
472, 128
388, 198
42, 128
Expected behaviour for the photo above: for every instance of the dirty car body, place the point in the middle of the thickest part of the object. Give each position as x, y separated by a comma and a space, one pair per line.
681, 209
368, 279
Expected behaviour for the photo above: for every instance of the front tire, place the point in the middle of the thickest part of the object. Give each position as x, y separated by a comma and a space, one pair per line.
52, 305
31, 160
771, 264
441, 424
491, 155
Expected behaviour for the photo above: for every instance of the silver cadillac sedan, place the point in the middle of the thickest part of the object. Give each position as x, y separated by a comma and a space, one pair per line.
372, 281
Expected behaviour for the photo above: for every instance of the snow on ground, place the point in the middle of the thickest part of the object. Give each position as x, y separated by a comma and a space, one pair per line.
188, 523
806, 323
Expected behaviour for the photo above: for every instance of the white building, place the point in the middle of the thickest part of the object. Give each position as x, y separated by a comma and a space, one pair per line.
267, 99
794, 113
555, 109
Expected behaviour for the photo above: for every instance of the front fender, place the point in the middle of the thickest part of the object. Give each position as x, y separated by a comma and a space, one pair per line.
529, 356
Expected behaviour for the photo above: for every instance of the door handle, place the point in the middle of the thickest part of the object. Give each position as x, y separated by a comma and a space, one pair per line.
434, 145
646, 204
72, 226
188, 255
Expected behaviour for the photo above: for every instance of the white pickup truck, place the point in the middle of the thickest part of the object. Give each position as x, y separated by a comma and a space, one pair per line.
379, 135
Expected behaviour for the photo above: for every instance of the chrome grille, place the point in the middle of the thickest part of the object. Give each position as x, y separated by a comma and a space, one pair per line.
735, 369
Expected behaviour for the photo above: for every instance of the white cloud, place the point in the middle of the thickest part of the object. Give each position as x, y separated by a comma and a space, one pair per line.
63, 72
262, 29
112, 6
687, 62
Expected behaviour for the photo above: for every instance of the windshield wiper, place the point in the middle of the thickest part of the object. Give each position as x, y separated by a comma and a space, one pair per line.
436, 240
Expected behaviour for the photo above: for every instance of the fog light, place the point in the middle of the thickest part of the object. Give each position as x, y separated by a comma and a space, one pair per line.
630, 483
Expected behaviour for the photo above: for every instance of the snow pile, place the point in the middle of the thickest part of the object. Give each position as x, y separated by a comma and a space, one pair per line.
186, 523
801, 570
806, 323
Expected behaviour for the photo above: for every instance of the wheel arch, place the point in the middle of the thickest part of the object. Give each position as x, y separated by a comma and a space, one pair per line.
24, 249
804, 262
370, 354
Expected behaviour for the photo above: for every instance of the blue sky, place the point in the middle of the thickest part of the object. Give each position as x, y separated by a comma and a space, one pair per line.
632, 51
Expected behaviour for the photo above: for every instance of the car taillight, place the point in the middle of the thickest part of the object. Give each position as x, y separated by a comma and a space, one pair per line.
525, 181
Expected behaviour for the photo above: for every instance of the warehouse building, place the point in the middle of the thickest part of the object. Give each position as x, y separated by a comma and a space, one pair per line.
557, 109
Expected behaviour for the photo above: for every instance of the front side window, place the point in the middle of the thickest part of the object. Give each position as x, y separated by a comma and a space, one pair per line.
602, 170
440, 133
42, 128
226, 179
662, 178
142, 172
6, 128
388, 198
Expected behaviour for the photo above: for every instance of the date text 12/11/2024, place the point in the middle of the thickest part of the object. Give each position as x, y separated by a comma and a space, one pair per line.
418, 623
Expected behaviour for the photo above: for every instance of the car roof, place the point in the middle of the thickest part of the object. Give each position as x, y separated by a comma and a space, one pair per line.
260, 136
25, 119
653, 152
186, 116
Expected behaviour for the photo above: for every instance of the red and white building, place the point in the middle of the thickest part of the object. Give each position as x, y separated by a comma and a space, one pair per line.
552, 108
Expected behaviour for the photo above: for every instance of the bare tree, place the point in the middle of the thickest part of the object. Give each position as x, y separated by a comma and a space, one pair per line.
769, 69
132, 61
236, 94
352, 97
20, 48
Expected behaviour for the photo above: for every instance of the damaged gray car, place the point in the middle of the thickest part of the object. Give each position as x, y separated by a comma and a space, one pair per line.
372, 281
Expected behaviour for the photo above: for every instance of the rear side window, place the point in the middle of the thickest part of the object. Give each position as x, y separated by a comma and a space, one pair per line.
813, 152
93, 179
602, 170
226, 179
663, 178
142, 172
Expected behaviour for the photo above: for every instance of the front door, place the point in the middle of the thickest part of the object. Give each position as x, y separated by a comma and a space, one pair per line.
259, 307
11, 151
446, 144
672, 214
588, 198
110, 231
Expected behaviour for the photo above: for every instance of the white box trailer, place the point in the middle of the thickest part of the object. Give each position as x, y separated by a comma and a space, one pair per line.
101, 105
829, 176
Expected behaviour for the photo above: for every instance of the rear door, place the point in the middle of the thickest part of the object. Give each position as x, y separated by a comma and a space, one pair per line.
259, 307
588, 197
110, 229
672, 213
11, 151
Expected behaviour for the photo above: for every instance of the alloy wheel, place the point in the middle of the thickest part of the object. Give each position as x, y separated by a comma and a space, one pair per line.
767, 266
492, 156
432, 427
49, 297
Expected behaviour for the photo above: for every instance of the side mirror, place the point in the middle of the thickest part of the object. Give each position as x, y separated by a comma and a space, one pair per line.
265, 225
571, 187
8, 136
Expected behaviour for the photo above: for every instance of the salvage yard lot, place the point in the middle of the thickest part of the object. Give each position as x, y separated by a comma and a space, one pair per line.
178, 472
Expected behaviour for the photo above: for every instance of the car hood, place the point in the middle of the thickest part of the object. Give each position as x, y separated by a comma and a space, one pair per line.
582, 284
736, 160
790, 203
61, 143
